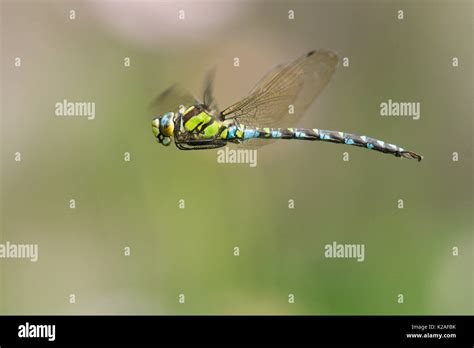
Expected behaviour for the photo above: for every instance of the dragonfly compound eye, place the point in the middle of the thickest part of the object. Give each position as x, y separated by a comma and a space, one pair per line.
167, 124
155, 125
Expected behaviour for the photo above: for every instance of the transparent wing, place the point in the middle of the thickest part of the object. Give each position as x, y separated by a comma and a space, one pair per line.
282, 96
171, 99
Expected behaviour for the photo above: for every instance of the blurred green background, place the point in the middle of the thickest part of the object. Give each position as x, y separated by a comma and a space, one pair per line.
190, 251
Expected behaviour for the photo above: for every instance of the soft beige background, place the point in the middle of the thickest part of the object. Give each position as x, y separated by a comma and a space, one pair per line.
190, 251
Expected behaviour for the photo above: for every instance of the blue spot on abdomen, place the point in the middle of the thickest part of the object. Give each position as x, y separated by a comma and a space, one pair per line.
349, 141
299, 134
231, 132
276, 134
249, 133
324, 136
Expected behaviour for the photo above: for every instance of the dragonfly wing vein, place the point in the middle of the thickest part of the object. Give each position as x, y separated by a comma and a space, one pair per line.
284, 94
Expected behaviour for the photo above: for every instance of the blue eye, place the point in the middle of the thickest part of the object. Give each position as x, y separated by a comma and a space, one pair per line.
166, 118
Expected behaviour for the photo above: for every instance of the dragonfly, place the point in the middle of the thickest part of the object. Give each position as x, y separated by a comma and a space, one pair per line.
278, 100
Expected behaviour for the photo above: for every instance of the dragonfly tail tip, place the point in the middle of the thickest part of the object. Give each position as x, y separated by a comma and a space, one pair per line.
412, 155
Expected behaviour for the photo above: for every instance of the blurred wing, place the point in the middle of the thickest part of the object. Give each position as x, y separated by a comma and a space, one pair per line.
209, 100
171, 99
282, 96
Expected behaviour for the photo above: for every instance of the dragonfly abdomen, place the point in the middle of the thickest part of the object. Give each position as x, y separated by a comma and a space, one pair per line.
327, 135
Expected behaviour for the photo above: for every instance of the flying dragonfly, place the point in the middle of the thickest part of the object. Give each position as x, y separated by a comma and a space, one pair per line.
266, 114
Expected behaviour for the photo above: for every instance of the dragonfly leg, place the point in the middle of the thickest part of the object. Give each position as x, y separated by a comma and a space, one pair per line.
200, 144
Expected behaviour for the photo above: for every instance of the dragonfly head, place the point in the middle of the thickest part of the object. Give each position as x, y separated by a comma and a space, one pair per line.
163, 128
